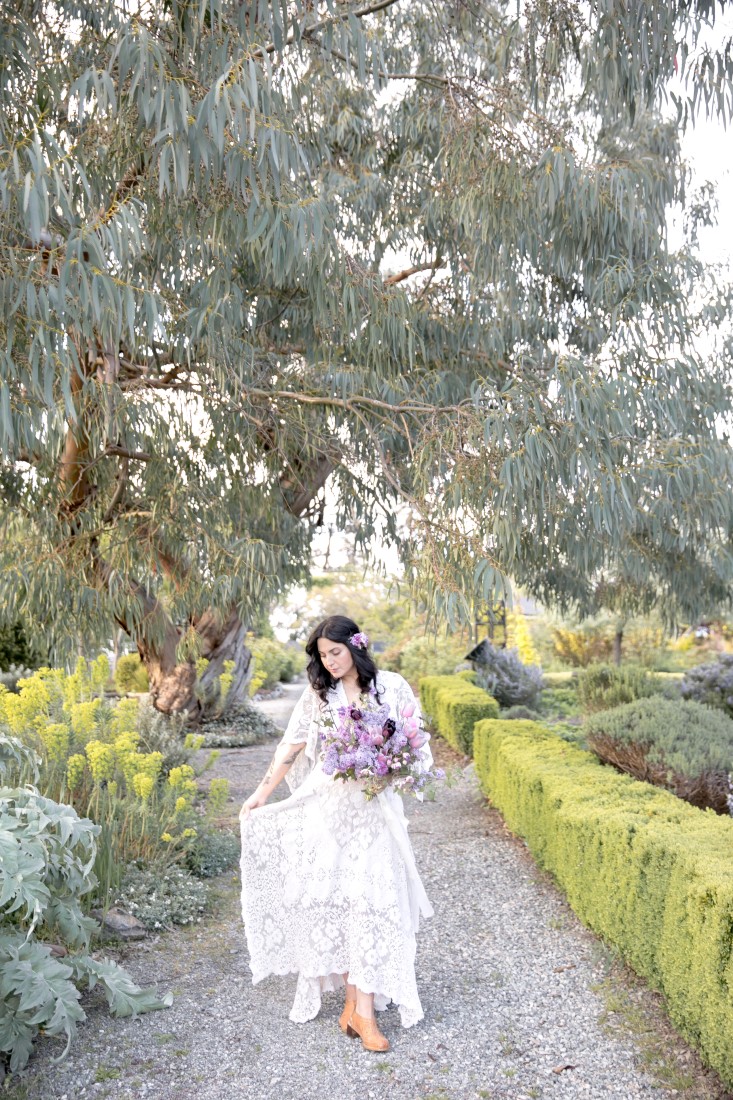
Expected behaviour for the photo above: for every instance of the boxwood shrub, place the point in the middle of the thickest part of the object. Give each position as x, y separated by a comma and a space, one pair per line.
646, 871
452, 707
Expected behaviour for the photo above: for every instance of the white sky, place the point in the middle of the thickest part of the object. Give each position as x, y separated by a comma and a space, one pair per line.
708, 148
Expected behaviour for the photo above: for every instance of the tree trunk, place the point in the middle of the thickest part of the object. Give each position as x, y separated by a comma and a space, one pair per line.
617, 643
224, 642
172, 683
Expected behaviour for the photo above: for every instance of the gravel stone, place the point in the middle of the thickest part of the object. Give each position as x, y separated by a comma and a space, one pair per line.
510, 981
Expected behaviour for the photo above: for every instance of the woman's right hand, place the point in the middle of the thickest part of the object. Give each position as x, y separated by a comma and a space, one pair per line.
254, 802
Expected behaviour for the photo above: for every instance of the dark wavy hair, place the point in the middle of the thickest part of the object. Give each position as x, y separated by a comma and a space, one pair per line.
337, 628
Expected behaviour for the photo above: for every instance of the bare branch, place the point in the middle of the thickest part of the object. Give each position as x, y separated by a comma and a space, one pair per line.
119, 493
392, 280
360, 13
351, 404
123, 452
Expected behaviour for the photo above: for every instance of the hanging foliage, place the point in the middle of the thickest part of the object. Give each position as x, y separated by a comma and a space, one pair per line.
420, 254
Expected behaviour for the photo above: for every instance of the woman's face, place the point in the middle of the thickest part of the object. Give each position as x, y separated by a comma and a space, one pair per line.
335, 657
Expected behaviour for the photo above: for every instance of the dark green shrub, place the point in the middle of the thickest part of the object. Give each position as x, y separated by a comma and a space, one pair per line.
503, 674
560, 702
521, 712
682, 746
15, 649
601, 687
213, 852
711, 684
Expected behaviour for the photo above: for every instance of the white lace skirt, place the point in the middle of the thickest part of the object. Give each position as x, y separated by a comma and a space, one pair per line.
330, 887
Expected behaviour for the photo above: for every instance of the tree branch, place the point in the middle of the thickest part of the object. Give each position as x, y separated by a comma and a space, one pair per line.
127, 184
358, 14
122, 452
299, 494
119, 493
351, 404
73, 478
392, 280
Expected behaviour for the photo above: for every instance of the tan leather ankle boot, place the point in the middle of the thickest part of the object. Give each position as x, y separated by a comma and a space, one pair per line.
367, 1030
345, 1017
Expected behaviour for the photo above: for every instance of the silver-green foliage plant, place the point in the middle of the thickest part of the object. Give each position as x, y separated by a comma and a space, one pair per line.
160, 898
678, 744
47, 853
10, 677
504, 675
711, 683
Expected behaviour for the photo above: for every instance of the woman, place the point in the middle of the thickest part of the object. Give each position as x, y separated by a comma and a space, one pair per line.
330, 889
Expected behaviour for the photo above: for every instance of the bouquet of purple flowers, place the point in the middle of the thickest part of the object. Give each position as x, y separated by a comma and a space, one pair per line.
369, 745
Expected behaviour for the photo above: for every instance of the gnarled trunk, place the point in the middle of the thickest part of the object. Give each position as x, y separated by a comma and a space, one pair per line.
173, 683
224, 641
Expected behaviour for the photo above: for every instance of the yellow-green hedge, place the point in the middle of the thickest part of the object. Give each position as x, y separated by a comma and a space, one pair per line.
643, 869
453, 706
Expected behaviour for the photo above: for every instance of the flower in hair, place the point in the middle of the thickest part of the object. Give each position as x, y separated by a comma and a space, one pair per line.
361, 641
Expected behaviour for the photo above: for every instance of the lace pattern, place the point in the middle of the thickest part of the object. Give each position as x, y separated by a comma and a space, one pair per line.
329, 882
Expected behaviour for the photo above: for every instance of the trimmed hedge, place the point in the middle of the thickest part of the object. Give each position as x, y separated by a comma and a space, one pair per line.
453, 706
645, 871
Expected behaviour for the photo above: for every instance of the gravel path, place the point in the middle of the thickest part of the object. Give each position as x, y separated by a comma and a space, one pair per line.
520, 1000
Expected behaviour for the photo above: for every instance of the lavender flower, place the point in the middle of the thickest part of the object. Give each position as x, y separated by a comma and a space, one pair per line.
370, 745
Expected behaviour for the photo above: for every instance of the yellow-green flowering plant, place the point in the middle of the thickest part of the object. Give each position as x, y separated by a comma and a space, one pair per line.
46, 878
92, 754
56, 739
84, 718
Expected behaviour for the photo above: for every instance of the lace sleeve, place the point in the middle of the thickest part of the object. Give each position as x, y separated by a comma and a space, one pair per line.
404, 695
302, 728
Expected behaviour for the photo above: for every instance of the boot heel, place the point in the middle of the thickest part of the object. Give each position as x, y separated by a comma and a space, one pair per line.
351, 1033
367, 1030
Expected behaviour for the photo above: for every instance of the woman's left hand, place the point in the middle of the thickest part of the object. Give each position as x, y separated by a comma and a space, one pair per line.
253, 803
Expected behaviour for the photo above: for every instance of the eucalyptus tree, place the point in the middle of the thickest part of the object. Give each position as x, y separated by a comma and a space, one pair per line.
417, 252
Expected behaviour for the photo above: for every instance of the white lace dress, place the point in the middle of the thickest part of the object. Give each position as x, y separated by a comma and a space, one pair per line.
329, 882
